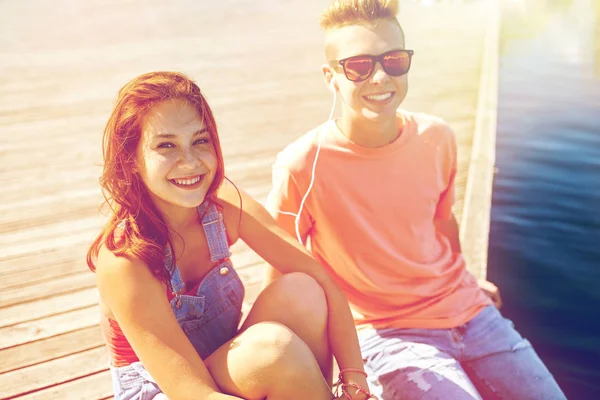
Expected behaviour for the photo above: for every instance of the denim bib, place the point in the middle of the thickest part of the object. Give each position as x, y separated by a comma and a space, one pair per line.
209, 317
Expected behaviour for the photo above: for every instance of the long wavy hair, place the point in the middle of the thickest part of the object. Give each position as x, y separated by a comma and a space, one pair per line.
136, 228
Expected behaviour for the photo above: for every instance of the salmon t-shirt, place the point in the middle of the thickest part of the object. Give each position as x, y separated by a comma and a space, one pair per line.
369, 219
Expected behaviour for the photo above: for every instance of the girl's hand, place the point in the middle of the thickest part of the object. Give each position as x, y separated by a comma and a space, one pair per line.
352, 385
353, 393
359, 396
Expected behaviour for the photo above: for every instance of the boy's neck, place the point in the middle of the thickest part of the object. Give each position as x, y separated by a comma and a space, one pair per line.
371, 134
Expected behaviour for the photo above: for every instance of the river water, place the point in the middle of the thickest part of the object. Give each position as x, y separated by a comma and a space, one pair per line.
545, 223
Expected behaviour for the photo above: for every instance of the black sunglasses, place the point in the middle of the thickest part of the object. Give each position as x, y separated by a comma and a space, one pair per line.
359, 68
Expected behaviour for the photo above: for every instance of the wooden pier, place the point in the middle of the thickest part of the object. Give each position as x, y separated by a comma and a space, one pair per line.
61, 64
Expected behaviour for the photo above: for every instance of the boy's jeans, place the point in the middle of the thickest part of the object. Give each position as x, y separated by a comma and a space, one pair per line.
484, 358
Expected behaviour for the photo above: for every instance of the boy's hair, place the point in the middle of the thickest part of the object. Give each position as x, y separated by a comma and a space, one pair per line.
349, 12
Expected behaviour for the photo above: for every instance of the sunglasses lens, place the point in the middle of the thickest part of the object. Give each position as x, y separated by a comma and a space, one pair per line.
396, 63
358, 68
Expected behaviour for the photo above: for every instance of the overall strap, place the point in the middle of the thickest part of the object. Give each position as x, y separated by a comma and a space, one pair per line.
214, 229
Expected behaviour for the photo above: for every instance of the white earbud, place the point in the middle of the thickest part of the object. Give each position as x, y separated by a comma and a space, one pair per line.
332, 85
296, 216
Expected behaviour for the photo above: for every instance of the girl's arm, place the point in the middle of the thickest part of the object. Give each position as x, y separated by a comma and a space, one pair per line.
139, 303
260, 231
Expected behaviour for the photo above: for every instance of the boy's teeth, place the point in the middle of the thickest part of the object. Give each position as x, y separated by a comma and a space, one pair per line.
187, 181
379, 97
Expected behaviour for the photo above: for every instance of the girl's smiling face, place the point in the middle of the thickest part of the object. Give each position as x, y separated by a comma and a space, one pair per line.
176, 157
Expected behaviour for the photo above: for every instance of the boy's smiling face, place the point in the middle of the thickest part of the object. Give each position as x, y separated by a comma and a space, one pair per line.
378, 97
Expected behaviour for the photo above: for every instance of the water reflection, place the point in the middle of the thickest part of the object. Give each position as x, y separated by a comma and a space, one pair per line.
545, 229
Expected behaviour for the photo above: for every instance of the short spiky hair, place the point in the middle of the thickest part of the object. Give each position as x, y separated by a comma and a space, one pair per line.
349, 12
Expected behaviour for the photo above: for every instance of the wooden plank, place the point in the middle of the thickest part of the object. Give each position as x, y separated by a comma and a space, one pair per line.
48, 349
53, 287
242, 256
32, 217
44, 328
37, 260
44, 205
48, 270
43, 182
59, 304
96, 386
253, 289
53, 372
76, 239
68, 233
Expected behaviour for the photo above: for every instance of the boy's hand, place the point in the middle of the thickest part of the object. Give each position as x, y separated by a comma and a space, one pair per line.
492, 291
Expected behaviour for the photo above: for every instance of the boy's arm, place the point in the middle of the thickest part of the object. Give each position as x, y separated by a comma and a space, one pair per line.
445, 222
444, 219
449, 228
283, 199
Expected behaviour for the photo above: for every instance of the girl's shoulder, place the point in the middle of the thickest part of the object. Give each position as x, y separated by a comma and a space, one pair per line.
122, 278
236, 206
229, 201
115, 269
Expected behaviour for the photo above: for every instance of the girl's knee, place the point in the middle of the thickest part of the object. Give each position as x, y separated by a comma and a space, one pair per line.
279, 350
264, 361
268, 336
301, 295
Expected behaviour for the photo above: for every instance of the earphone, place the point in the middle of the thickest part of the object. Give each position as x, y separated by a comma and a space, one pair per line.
312, 177
332, 88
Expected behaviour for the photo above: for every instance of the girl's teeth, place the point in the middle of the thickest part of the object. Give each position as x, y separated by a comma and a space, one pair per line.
187, 181
379, 97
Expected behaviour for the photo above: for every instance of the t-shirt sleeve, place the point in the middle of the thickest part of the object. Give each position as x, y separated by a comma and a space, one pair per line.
284, 201
446, 200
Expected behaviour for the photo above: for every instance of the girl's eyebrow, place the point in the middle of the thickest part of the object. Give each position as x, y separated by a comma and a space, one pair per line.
201, 131
173, 135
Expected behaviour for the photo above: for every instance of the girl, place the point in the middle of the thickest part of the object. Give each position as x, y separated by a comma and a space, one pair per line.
170, 297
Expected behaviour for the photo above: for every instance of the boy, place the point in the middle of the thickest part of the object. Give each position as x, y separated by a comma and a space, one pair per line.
378, 217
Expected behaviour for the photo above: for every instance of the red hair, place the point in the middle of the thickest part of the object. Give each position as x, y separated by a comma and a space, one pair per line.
146, 234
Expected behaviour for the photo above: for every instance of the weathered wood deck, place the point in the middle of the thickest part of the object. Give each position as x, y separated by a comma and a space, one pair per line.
61, 64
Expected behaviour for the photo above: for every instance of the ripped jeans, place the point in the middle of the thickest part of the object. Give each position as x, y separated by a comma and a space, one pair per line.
484, 358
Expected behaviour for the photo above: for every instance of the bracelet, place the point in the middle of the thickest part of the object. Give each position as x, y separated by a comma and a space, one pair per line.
340, 380
359, 389
343, 371
344, 386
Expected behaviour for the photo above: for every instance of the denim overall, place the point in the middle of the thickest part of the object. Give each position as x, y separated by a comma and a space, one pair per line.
209, 318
